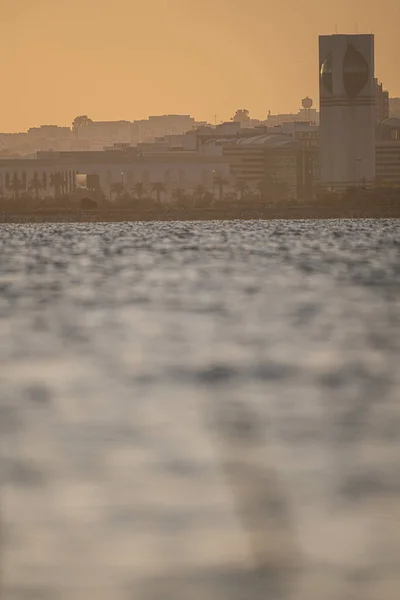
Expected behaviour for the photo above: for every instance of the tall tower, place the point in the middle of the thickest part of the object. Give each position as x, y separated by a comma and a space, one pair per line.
347, 110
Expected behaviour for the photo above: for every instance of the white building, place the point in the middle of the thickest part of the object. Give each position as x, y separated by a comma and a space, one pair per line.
347, 110
98, 134
174, 168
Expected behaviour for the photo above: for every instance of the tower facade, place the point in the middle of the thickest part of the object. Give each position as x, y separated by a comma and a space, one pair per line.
347, 110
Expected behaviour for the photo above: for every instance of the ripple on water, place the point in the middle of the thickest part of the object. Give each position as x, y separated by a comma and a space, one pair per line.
149, 368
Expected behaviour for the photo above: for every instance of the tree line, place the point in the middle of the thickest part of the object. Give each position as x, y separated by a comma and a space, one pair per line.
58, 189
60, 183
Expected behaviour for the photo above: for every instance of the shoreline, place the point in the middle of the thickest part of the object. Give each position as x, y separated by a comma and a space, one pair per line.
127, 215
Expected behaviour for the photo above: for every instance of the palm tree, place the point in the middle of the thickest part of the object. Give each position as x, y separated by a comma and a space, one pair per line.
55, 183
139, 189
15, 186
44, 181
199, 191
242, 188
220, 182
272, 188
117, 188
35, 185
202, 197
158, 187
179, 195
261, 187
63, 184
208, 198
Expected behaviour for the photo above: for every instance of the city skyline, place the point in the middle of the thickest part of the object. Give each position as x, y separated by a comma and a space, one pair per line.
131, 60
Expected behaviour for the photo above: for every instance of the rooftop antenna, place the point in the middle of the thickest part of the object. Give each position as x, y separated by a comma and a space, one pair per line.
336, 29
356, 27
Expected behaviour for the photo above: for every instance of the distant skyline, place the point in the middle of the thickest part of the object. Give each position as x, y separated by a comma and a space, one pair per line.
128, 59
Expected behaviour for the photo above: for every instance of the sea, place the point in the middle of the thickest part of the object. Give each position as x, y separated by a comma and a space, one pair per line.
200, 410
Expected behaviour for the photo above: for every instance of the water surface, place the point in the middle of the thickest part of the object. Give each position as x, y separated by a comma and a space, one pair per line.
130, 351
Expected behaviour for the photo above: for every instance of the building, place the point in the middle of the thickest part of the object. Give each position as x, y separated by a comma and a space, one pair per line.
95, 135
389, 130
347, 110
92, 135
287, 155
148, 130
306, 114
50, 137
388, 153
388, 162
268, 156
394, 107
229, 130
15, 144
284, 156
381, 103
56, 171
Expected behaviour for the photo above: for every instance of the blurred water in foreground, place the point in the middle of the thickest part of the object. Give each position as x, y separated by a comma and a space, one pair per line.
200, 411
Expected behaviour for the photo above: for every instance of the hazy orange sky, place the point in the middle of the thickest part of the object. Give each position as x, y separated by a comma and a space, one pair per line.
127, 59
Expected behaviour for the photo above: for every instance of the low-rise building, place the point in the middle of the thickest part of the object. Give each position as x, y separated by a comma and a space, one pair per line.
381, 103
148, 130
98, 134
388, 162
306, 114
56, 171
394, 107
286, 154
389, 130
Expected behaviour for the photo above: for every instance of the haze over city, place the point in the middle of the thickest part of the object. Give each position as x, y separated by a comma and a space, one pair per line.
129, 59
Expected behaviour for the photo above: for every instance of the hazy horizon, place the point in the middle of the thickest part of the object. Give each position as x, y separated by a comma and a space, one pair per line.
130, 59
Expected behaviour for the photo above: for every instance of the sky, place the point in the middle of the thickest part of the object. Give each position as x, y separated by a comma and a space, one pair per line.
128, 59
